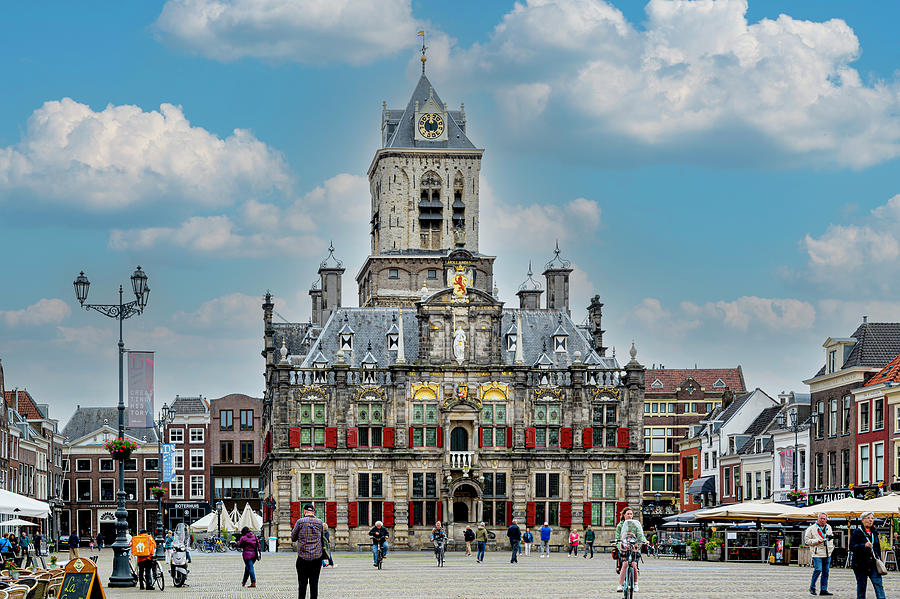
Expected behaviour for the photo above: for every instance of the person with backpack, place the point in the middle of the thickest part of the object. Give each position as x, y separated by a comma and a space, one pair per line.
74, 542
250, 546
588, 541
468, 537
143, 547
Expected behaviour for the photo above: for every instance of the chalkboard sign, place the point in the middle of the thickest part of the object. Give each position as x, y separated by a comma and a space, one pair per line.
81, 581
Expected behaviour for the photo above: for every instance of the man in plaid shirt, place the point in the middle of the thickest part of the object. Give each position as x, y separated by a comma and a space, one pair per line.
307, 533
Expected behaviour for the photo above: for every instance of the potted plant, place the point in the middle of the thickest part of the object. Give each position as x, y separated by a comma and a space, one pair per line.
120, 449
796, 495
53, 560
714, 549
695, 550
12, 568
158, 492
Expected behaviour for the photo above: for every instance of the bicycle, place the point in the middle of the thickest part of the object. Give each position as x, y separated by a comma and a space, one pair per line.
156, 575
631, 555
439, 553
380, 554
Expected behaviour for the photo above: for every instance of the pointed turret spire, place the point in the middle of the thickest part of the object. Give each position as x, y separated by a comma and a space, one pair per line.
424, 48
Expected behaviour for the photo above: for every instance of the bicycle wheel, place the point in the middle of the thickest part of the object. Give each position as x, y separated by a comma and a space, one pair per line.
134, 575
441, 558
380, 558
160, 580
628, 591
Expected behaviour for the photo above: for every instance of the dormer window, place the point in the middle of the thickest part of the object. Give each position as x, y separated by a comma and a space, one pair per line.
511, 342
832, 360
719, 384
657, 384
346, 342
320, 376
368, 374
559, 343
393, 341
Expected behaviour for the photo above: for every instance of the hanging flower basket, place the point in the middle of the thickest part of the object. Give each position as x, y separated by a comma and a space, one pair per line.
120, 449
158, 492
796, 495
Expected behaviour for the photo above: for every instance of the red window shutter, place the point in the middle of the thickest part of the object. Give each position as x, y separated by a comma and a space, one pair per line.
352, 436
508, 513
565, 514
387, 514
622, 437
529, 437
410, 513
331, 436
438, 509
586, 513
587, 438
620, 505
565, 437
268, 446
331, 514
529, 513
440, 436
509, 436
353, 514
294, 436
480, 435
387, 437
296, 512
410, 437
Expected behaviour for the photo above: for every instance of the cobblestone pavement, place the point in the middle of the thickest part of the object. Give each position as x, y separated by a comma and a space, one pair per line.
415, 575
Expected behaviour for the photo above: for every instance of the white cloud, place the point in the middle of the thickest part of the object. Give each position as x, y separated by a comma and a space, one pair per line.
121, 155
776, 314
234, 310
307, 31
44, 311
695, 75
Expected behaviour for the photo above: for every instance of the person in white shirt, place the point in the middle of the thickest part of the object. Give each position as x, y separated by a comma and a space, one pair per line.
818, 538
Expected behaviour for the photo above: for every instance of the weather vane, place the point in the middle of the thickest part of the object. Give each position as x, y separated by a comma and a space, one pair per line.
421, 34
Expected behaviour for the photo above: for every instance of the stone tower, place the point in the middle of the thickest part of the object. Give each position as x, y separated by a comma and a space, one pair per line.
530, 293
557, 272
424, 186
330, 272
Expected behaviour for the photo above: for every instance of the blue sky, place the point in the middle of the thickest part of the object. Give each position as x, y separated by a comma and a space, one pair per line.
722, 174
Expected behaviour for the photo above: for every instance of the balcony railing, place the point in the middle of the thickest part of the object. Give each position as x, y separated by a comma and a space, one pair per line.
461, 460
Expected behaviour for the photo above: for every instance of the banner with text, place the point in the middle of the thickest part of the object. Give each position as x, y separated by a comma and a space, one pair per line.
168, 463
140, 389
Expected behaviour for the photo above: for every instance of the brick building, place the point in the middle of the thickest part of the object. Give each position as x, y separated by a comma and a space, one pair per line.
877, 415
675, 400
189, 494
236, 450
433, 400
849, 363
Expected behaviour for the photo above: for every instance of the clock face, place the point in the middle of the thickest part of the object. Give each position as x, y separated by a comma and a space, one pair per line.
431, 125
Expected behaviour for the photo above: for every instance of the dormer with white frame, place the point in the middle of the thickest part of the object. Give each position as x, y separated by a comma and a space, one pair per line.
837, 349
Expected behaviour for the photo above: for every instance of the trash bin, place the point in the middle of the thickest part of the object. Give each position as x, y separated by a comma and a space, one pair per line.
272, 543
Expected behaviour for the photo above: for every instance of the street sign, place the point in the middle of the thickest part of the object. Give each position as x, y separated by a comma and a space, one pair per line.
168, 463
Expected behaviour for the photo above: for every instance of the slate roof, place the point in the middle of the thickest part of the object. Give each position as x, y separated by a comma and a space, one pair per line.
404, 135
189, 405
877, 343
888, 374
759, 425
298, 337
87, 420
705, 377
371, 325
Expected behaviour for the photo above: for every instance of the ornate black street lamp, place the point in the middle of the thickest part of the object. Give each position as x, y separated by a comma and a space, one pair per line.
219, 507
121, 574
166, 417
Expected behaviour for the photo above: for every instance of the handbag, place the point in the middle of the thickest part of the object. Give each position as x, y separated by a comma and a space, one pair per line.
879, 565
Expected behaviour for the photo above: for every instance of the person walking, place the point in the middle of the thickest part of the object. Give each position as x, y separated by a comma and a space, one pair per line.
573, 544
481, 537
527, 540
307, 532
515, 537
6, 549
99, 541
818, 537
170, 540
326, 546
588, 541
249, 544
866, 548
143, 547
74, 542
545, 540
25, 544
468, 537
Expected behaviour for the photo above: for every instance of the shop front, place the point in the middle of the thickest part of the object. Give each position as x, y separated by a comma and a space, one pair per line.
187, 512
747, 543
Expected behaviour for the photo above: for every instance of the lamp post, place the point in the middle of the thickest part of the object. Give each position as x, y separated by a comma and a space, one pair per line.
795, 427
121, 574
166, 417
219, 506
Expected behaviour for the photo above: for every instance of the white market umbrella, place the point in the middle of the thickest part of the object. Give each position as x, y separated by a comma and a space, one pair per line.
848, 507
235, 514
18, 522
250, 519
20, 505
202, 524
886, 506
748, 510
223, 522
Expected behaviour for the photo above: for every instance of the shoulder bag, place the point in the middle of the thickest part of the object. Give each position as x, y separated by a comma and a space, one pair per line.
879, 564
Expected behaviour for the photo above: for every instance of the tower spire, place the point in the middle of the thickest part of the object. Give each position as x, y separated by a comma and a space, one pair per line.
421, 34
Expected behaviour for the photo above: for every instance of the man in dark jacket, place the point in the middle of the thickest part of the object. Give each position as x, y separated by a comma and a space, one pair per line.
515, 537
527, 540
589, 541
468, 537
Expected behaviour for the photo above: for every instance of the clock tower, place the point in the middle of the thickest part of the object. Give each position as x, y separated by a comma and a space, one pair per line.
424, 187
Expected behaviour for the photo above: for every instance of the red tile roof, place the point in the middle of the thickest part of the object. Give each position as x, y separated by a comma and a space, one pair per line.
705, 377
25, 404
888, 374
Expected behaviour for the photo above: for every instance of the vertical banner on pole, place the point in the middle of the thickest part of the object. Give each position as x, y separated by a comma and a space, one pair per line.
168, 463
140, 389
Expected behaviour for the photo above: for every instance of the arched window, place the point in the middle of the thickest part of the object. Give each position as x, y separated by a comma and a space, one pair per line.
430, 211
459, 208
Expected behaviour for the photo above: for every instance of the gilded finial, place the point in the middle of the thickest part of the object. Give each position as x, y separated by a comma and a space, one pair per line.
423, 58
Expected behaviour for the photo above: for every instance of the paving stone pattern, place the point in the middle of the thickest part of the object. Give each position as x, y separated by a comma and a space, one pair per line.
414, 575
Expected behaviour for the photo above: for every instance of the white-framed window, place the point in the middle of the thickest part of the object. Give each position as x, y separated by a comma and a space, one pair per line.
719, 384
657, 384
833, 417
83, 465
178, 459
197, 435
151, 464
83, 491
603, 499
197, 486
832, 360
196, 459
107, 465
176, 435
511, 342
878, 415
863, 416
176, 487
863, 466
878, 460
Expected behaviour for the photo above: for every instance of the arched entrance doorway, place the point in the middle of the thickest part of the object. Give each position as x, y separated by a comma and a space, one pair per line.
460, 512
464, 504
459, 439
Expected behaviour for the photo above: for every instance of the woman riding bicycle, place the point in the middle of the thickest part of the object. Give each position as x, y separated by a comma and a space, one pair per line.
627, 526
438, 537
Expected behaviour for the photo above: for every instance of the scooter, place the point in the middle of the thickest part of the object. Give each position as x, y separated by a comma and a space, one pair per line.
179, 561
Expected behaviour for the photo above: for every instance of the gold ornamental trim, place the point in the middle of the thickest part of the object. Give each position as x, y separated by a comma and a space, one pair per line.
599, 392
424, 391
308, 390
369, 391
549, 393
494, 390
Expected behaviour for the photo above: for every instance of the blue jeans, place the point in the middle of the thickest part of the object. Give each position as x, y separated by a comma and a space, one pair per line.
821, 565
481, 546
862, 581
384, 549
248, 571
515, 551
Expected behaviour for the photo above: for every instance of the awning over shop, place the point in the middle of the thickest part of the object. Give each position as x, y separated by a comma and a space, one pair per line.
20, 505
701, 486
